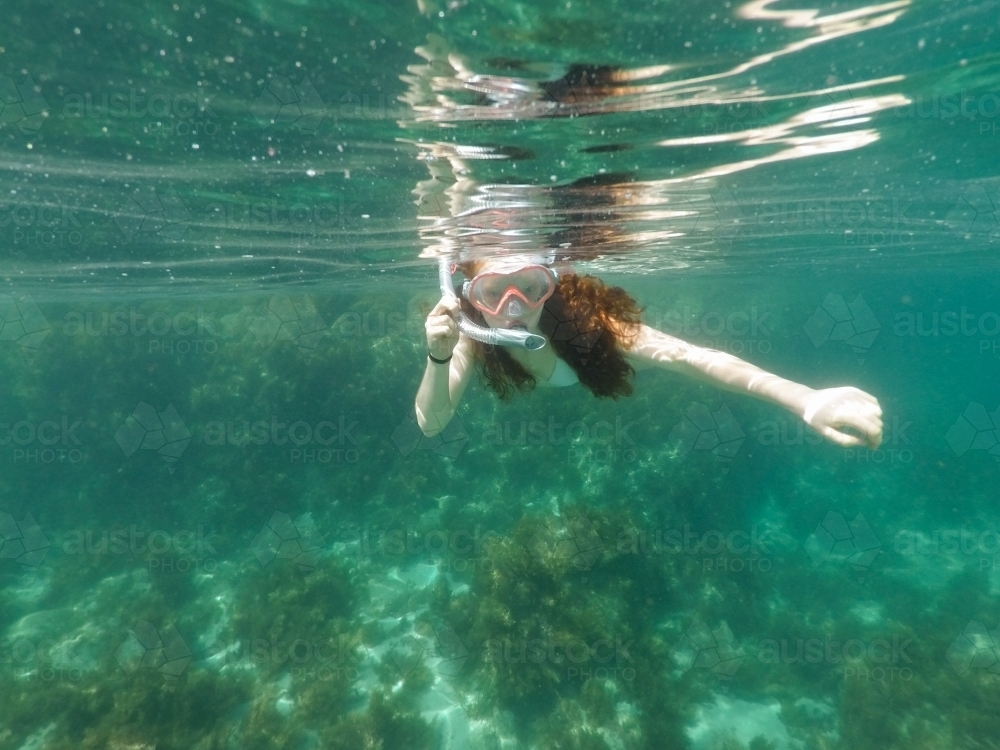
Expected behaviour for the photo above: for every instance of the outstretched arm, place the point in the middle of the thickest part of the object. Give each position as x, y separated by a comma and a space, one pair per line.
827, 411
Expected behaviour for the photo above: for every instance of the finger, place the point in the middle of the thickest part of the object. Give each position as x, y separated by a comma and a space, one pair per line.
442, 337
867, 398
871, 432
873, 401
870, 404
446, 317
860, 392
870, 426
840, 438
441, 320
439, 332
445, 306
864, 406
875, 438
448, 306
869, 429
865, 413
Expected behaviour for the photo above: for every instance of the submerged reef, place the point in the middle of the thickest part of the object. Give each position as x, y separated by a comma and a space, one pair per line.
557, 572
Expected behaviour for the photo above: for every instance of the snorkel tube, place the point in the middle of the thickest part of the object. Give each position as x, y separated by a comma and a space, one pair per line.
484, 334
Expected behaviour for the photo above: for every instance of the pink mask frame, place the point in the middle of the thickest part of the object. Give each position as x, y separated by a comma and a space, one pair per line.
511, 295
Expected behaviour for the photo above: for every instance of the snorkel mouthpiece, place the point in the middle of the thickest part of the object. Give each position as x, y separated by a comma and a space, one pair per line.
495, 336
533, 342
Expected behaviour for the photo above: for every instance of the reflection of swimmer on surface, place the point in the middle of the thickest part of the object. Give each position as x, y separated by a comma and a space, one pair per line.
596, 338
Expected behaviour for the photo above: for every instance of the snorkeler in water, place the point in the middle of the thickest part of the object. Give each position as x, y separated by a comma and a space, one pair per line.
593, 335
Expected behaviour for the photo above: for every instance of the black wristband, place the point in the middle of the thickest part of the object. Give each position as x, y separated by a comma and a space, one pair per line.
437, 361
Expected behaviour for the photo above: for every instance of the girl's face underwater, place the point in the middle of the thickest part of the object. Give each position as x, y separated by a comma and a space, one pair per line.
528, 321
509, 296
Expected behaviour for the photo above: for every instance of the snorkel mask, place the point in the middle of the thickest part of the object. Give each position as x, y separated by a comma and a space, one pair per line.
512, 294
502, 294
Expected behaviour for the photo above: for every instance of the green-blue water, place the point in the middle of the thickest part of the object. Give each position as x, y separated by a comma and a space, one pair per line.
220, 526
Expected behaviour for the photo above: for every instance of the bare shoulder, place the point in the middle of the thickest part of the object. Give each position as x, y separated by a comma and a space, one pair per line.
650, 347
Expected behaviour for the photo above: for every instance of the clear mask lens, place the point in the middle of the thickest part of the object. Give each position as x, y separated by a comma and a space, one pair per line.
512, 294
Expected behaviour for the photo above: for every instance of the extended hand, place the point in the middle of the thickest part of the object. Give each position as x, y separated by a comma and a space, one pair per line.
832, 408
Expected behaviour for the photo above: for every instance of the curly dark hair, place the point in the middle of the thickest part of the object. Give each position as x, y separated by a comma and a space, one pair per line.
584, 319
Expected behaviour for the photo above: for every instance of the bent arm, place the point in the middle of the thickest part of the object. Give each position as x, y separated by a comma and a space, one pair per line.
441, 389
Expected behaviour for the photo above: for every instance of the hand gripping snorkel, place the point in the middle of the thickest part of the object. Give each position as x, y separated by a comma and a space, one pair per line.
484, 334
